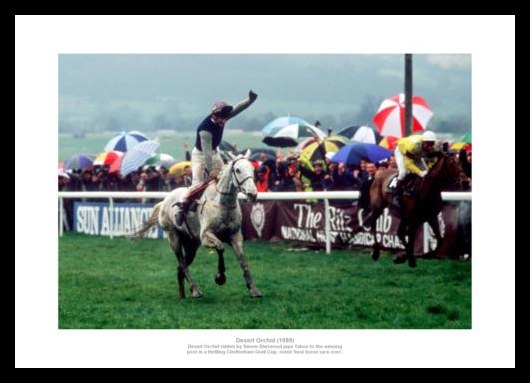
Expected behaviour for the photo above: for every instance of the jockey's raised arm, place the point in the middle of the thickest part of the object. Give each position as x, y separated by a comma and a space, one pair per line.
241, 106
205, 156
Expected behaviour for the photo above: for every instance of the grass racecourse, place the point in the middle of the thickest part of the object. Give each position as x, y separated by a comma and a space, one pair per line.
118, 284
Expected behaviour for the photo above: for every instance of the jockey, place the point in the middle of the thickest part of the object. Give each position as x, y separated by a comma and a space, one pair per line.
413, 155
205, 159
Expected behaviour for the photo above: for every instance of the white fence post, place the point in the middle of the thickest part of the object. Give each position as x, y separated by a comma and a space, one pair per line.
327, 226
111, 220
61, 216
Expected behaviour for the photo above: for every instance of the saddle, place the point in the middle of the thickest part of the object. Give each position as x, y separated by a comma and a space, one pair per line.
194, 197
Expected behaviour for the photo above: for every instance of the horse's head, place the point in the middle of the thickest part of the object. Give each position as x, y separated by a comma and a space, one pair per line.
242, 175
453, 170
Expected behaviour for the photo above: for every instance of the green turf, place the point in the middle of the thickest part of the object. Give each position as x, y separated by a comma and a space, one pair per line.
119, 284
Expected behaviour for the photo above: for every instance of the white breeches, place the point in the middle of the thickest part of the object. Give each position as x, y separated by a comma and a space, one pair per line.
198, 167
400, 161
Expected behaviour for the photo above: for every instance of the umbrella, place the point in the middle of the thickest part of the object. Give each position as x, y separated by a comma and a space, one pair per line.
137, 156
62, 173
467, 137
107, 158
255, 153
461, 145
79, 161
353, 153
125, 141
304, 143
162, 159
178, 168
389, 142
281, 122
280, 142
116, 165
317, 149
361, 133
289, 135
390, 118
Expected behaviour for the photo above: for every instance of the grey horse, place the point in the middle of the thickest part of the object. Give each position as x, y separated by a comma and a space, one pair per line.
216, 221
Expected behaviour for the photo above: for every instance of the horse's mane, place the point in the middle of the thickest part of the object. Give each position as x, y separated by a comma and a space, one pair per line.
223, 170
227, 165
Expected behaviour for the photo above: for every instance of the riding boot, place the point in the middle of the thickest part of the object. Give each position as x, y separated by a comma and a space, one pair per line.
181, 214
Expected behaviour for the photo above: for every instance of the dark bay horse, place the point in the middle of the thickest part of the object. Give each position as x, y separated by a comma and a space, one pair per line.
423, 205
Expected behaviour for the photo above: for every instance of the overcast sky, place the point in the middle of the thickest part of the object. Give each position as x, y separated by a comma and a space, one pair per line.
98, 92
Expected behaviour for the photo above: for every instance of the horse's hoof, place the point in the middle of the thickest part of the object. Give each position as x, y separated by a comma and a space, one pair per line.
375, 255
220, 279
398, 259
196, 294
255, 293
412, 262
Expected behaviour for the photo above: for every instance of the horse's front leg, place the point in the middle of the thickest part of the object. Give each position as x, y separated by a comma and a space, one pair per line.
209, 239
237, 244
220, 278
402, 235
410, 245
182, 269
376, 251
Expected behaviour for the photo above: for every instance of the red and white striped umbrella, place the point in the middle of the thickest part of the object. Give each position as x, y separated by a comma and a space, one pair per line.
390, 118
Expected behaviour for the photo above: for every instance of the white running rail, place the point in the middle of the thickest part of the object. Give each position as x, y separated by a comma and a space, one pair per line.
275, 196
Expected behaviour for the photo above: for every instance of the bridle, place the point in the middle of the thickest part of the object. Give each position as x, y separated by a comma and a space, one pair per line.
233, 174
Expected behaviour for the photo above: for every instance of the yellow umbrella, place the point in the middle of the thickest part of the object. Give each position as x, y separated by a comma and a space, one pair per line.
318, 149
461, 145
178, 168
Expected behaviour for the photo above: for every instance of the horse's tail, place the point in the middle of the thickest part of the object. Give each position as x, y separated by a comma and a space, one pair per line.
147, 225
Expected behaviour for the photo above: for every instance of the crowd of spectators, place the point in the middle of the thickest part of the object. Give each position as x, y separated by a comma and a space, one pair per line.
283, 173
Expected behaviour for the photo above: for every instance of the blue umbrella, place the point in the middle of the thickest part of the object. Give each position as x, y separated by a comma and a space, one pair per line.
125, 141
136, 157
280, 122
79, 161
353, 153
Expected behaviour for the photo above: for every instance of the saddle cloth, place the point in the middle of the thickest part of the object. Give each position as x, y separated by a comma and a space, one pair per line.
410, 184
